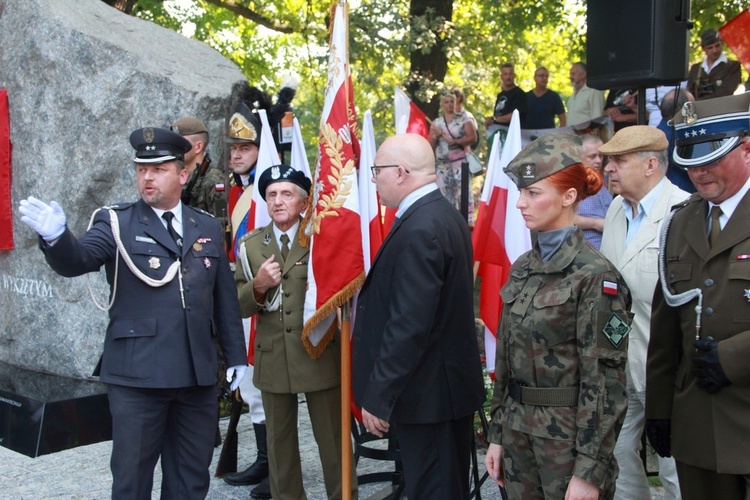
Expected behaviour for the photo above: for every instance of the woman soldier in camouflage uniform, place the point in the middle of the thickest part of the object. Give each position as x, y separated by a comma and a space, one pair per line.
560, 393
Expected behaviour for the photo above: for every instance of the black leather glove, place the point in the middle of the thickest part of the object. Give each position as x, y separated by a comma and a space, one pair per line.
706, 367
659, 434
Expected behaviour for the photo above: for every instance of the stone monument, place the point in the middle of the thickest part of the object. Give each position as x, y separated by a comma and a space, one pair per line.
80, 77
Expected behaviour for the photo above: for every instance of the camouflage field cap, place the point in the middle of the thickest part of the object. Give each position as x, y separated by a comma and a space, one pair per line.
709, 129
543, 157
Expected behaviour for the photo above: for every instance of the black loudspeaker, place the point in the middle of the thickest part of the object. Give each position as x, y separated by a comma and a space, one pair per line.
637, 43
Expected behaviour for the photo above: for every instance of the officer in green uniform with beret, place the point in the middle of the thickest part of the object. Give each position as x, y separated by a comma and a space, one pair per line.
271, 280
560, 392
698, 374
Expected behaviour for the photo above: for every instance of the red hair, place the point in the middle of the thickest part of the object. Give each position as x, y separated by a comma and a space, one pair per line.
585, 180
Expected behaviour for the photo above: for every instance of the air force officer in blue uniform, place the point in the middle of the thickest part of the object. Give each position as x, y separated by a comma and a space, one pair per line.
172, 291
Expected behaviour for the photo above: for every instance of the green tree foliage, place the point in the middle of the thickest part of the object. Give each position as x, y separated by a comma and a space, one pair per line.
425, 46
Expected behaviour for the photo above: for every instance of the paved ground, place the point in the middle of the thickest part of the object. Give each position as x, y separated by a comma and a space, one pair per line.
83, 473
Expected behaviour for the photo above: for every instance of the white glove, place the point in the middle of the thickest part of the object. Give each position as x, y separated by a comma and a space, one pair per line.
47, 220
235, 374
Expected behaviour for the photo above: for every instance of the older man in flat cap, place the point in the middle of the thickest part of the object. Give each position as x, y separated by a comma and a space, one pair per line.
171, 293
698, 374
271, 281
637, 170
716, 75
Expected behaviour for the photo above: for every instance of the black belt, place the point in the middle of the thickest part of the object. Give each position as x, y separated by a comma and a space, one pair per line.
542, 396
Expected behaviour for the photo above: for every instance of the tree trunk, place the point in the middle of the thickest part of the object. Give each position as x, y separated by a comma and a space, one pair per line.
125, 6
433, 65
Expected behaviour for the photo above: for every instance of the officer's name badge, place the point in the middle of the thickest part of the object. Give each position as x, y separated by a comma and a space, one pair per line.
154, 263
609, 287
145, 239
204, 240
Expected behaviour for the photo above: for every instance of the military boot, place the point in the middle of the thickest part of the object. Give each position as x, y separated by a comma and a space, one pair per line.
263, 490
258, 471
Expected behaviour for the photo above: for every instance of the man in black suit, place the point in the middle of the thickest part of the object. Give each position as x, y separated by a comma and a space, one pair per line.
171, 292
416, 359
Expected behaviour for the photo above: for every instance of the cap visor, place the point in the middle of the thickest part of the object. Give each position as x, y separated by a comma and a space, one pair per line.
157, 159
703, 153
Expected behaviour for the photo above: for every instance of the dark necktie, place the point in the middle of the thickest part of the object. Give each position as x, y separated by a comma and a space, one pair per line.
284, 246
713, 235
168, 216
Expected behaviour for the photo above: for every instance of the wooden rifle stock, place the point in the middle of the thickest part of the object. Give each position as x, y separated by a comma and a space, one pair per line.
228, 457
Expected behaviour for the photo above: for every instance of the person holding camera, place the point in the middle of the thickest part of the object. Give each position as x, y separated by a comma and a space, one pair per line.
716, 75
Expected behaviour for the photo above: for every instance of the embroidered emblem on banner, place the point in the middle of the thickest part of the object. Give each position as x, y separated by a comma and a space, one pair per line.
616, 330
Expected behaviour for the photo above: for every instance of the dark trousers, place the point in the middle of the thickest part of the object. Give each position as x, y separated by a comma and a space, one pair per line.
177, 424
436, 458
702, 484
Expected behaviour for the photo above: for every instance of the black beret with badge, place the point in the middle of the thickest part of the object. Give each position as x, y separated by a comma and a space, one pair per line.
707, 130
282, 173
157, 145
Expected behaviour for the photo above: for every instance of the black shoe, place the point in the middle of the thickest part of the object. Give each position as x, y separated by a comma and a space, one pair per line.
263, 490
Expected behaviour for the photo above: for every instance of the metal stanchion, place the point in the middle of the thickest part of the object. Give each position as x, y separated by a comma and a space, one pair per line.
465, 182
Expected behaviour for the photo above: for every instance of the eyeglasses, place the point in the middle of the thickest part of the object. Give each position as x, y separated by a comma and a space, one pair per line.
375, 169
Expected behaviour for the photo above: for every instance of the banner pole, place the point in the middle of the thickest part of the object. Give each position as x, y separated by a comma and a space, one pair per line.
346, 391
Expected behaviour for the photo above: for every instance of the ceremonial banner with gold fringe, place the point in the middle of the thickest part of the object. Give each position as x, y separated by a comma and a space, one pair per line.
336, 264
6, 211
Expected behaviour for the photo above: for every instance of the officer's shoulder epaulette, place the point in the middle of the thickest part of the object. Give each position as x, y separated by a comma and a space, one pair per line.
199, 210
693, 198
117, 206
252, 234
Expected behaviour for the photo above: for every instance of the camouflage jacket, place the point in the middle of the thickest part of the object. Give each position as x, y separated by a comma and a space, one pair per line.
565, 324
204, 194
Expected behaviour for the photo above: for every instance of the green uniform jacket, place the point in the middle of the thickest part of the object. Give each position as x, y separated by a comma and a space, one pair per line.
204, 194
553, 333
281, 363
723, 80
711, 431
